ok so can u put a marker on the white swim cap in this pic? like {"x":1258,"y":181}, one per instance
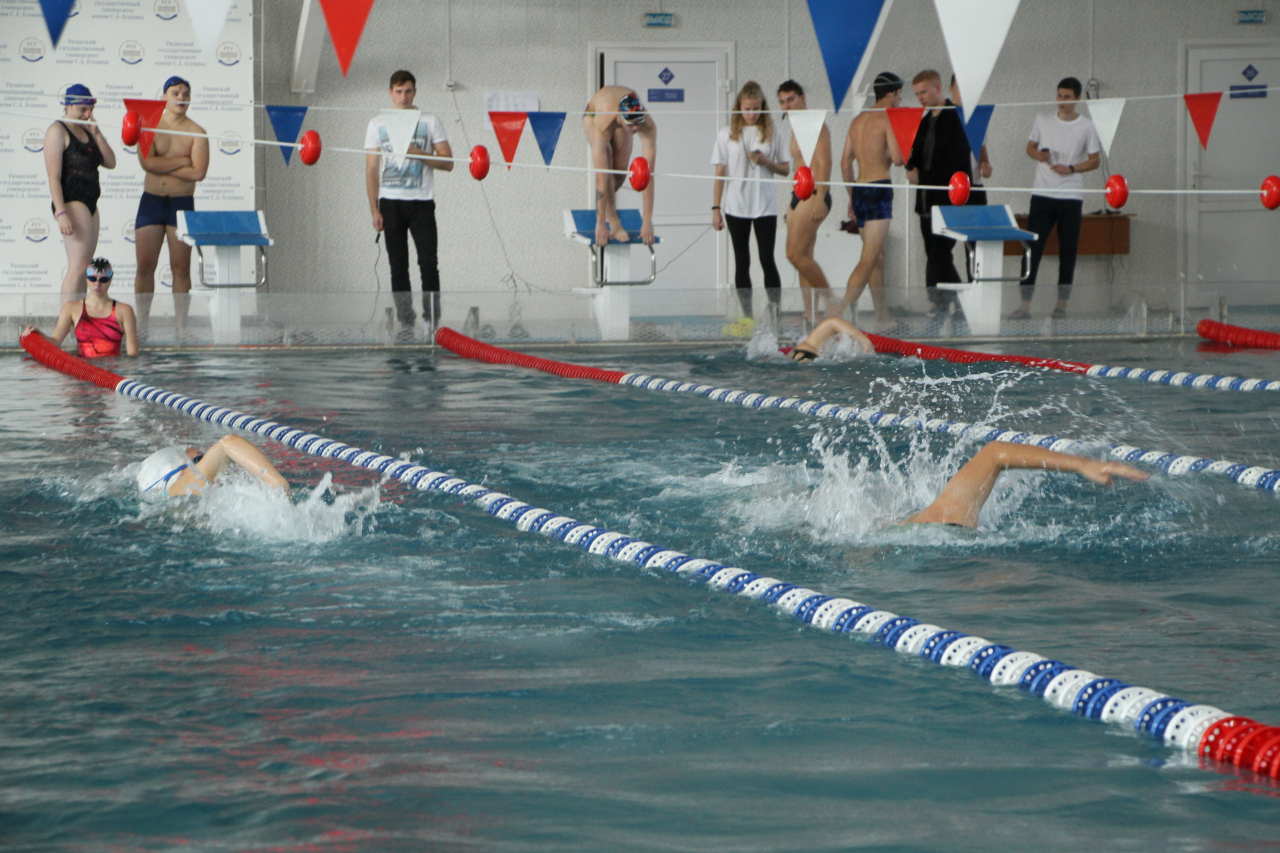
{"x":158,"y":469}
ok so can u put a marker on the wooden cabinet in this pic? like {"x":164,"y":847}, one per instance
{"x":1100,"y":234}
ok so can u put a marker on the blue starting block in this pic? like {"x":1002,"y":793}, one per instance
{"x":226,"y":231}
{"x":989,"y":226}
{"x":610,"y":270}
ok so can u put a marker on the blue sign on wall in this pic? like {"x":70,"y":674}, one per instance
{"x":666,"y":96}
{"x":659,"y":19}
{"x":1258,"y":90}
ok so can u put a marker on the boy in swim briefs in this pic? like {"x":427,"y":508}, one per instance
{"x":174,"y":472}
{"x":613,"y":116}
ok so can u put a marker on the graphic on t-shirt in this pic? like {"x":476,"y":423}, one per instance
{"x":408,"y":174}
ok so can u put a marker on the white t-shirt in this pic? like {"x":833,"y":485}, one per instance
{"x":748,"y":199}
{"x":1070,"y":143}
{"x":410,"y":179}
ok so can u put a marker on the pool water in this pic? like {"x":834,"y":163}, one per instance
{"x":365,"y":667}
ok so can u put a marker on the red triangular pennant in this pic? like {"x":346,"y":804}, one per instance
{"x":508,"y":127}
{"x":905,"y":122}
{"x":1203,"y":108}
{"x":149,"y":112}
{"x":346,"y":20}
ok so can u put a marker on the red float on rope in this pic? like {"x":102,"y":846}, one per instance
{"x":310,"y":151}
{"x":1237,"y":336}
{"x":804,"y":183}
{"x":958,"y":189}
{"x":1271,"y":192}
{"x":640,"y":174}
{"x":479,"y":165}
{"x":1117,"y":191}
{"x":131,"y":129}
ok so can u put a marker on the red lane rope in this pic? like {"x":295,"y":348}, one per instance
{"x":44,"y":351}
{"x":1237,"y":336}
{"x":471,"y":348}
{"x":959,"y":356}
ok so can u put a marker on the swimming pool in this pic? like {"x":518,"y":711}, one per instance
{"x":389,"y":670}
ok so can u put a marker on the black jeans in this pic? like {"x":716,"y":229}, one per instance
{"x":400,"y":218}
{"x":766,"y":228}
{"x":1067,"y":213}
{"x":940,"y":265}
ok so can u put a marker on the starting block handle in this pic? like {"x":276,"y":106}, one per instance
{"x":1026,"y":264}
{"x":597,"y":269}
{"x":262,"y":279}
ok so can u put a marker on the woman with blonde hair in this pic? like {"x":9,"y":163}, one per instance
{"x":747,"y":154}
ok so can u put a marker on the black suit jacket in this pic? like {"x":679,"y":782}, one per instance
{"x":951,"y":154}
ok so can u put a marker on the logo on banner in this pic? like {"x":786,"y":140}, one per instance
{"x":666,"y":76}
{"x":166,"y":10}
{"x":36,"y":230}
{"x":132,"y":52}
{"x":1250,"y":72}
{"x":229,"y":143}
{"x":33,"y":140}
{"x":228,"y":53}
{"x":126,"y":230}
{"x":32,"y":50}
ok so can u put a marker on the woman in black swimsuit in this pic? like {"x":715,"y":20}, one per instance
{"x":74,"y":148}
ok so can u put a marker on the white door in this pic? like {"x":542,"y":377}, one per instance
{"x":1232,"y":249}
{"x":685,"y":88}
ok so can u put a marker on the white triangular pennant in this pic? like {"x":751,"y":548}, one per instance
{"x":207,"y":19}
{"x":1106,"y":118}
{"x":806,"y":126}
{"x":974,"y":31}
{"x":401,"y":126}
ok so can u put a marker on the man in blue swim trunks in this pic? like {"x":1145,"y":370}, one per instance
{"x":871,"y":143}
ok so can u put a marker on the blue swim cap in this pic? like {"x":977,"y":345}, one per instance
{"x":175,"y":80}
{"x":78,"y":94}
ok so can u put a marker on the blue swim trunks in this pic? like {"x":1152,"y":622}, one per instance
{"x":162,"y":209}
{"x":872,"y":203}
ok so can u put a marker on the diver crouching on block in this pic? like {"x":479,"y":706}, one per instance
{"x":174,"y":472}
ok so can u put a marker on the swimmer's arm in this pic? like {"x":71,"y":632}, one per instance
{"x":895,"y":153}
{"x":233,"y":448}
{"x":199,"y":166}
{"x":157,"y":165}
{"x":129,"y":323}
{"x":821,"y":165}
{"x":648,"y":150}
{"x":831,"y":327}
{"x":66,"y":319}
{"x":850,"y":154}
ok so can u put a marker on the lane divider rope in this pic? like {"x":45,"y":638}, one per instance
{"x":1172,"y":463}
{"x":1238,"y":336}
{"x":1208,"y":731}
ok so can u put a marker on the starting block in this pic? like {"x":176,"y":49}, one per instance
{"x":989,"y":226}
{"x":610,"y":270}
{"x":226,"y":231}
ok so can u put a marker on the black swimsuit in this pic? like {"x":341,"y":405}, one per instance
{"x":80,"y":162}
{"x":795,"y":200}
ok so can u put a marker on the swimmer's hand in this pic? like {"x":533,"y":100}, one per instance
{"x":28,"y":330}
{"x":1103,"y":472}
{"x":646,"y":233}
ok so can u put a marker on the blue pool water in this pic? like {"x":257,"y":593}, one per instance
{"x":366,"y":667}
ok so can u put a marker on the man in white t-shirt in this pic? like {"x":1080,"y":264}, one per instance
{"x":402,"y":201}
{"x":1065,"y":145}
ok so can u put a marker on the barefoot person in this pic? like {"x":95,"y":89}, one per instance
{"x":613,"y":116}
{"x":872,"y":143}
{"x":72,"y":154}
{"x":804,"y":217}
{"x":100,"y":323}
{"x":174,"y":472}
{"x":174,"y":166}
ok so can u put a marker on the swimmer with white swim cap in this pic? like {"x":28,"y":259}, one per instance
{"x":173,"y":472}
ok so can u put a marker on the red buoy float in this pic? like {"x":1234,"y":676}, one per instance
{"x":479,"y":164}
{"x":1117,"y":191}
{"x":309,"y":153}
{"x":131,"y":129}
{"x":804,"y":183}
{"x":1271,"y":192}
{"x":958,"y":189}
{"x":640,"y":174}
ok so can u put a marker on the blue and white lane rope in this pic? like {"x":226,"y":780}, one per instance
{"x":1171,"y":463}
{"x":1184,"y":380}
{"x":1172,"y":721}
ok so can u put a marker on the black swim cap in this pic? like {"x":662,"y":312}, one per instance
{"x":886,"y":82}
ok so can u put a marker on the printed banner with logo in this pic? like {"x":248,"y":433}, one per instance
{"x":119,"y":49}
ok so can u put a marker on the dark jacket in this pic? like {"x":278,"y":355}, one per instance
{"x":950,"y":155}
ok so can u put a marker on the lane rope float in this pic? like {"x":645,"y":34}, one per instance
{"x":1237,"y":336}
{"x":1171,"y":463}
{"x":1208,"y":731}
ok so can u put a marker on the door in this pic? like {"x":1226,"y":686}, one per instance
{"x":686,"y":89}
{"x":1231,"y":247}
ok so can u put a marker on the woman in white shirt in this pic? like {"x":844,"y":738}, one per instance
{"x":749,"y":147}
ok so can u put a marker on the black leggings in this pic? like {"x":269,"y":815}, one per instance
{"x":1067,"y":213}
{"x":400,"y":218}
{"x":766,"y":233}
{"x":939,"y":264}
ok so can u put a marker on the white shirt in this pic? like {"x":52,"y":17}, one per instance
{"x":1070,"y":143}
{"x":411,"y":179}
{"x":748,"y":199}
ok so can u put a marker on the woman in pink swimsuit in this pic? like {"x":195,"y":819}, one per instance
{"x":100,"y":322}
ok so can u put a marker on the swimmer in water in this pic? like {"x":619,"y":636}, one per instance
{"x":807,"y":350}
{"x":173,"y":472}
{"x":101,"y":324}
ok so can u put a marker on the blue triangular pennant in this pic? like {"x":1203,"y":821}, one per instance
{"x":845,"y":30}
{"x":286,"y":122}
{"x":975,"y":127}
{"x":546,"y":129}
{"x":56,"y":13}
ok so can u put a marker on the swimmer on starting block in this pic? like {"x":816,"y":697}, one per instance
{"x":174,"y":472}
{"x":613,"y":116}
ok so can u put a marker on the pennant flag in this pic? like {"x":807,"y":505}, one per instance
{"x":975,"y":126}
{"x":806,"y":127}
{"x":1203,"y":109}
{"x":546,"y":129}
{"x":401,"y":126}
{"x":508,"y":127}
{"x":56,"y":13}
{"x":1105,"y":113}
{"x":286,"y":122}
{"x":847,"y":33}
{"x":207,"y":19}
{"x":905,"y":121}
{"x":149,"y":112}
{"x":345,"y":20}
{"x":974,"y":31}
